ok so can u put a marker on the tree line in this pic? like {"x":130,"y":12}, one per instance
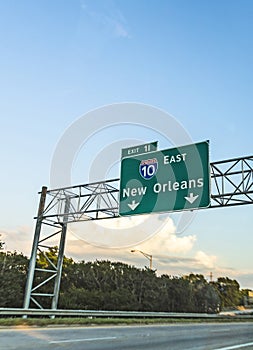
{"x":106,"y":285}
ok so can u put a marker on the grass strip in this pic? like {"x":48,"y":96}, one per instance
{"x":86,"y":321}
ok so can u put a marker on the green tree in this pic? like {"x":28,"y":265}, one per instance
{"x":47,"y":260}
{"x":204,"y":295}
{"x":105,"y":280}
{"x":177,"y":294}
{"x":117,"y":286}
{"x":13,"y":272}
{"x":229,"y":292}
{"x":110,"y":285}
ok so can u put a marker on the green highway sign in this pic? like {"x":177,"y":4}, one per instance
{"x":133,"y":151}
{"x":168,"y":180}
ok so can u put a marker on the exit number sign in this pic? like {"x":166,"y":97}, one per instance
{"x":133,"y":151}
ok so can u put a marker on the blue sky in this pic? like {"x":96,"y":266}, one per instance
{"x":61,"y":59}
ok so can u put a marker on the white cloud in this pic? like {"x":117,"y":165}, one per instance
{"x":108,"y":17}
{"x":19,"y":239}
{"x":205,"y":260}
{"x":122,"y":232}
{"x":120,"y":30}
{"x":161,"y":245}
{"x":167,"y":242}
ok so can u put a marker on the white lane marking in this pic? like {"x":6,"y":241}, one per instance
{"x":77,"y":340}
{"x":235,"y":346}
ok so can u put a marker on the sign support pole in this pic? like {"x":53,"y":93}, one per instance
{"x":32,"y":263}
{"x":57,"y":281}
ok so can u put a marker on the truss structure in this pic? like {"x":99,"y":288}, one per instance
{"x":231,"y":185}
{"x":57,"y":208}
{"x":232,"y":182}
{"x":92,"y":201}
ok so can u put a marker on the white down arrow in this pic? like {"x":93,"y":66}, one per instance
{"x":133,"y":205}
{"x":191,"y":198}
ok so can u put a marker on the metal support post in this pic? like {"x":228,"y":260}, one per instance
{"x":32,"y":262}
{"x":60,"y":255}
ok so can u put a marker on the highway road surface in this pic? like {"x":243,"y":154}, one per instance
{"x":224,"y":336}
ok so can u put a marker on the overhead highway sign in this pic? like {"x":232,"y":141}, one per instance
{"x":168,"y":180}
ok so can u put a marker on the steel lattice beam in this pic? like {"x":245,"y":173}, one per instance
{"x":232,"y":182}
{"x":92,"y":201}
{"x":231,"y":185}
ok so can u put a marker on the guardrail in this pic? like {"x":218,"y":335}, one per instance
{"x":120,"y":314}
{"x":100,"y":313}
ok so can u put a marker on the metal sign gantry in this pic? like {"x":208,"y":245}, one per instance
{"x":231,"y":185}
